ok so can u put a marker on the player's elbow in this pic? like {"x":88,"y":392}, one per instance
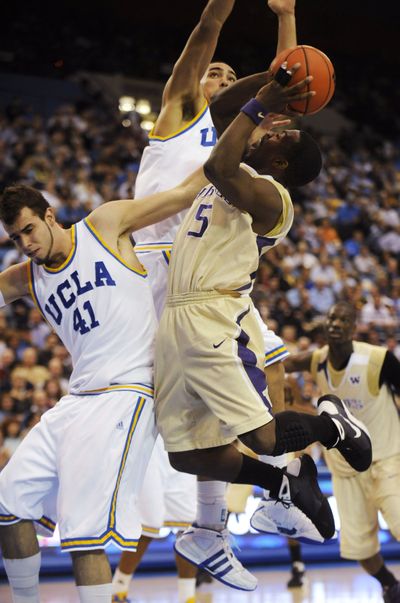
{"x":216,"y":169}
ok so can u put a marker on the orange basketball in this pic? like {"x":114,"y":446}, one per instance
{"x":313,"y":62}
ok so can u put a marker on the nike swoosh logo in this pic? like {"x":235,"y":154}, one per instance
{"x":216,"y":345}
{"x":261,"y":115}
{"x":354,"y":426}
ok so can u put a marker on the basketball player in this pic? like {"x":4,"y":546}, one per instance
{"x":91,"y":450}
{"x":209,"y":351}
{"x":182,"y":139}
{"x":364,"y":376}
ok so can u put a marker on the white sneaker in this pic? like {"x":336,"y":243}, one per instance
{"x":211,"y":551}
{"x":301,"y":510}
{"x":271,"y":514}
{"x":283,"y":518}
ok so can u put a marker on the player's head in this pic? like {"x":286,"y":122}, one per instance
{"x":340,"y":323}
{"x":218,"y":76}
{"x":292,"y":156}
{"x":29,"y":221}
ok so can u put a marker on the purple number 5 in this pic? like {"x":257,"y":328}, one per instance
{"x":201,"y":218}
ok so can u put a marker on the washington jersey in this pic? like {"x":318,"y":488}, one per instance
{"x":166,"y":162}
{"x":216,"y":247}
{"x":358,"y":386}
{"x":102,"y":309}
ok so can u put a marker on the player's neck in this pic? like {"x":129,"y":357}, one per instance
{"x":339,"y":354}
{"x":61,"y":247}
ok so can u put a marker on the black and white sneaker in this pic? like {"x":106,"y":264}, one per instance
{"x":302,"y":491}
{"x":353,"y":442}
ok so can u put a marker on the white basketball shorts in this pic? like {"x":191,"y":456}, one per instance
{"x":168,"y":497}
{"x":91,"y":451}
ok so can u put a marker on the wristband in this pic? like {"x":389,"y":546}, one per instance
{"x":255,"y":110}
{"x":2,"y":300}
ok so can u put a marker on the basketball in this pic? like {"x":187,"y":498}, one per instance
{"x":313,"y":62}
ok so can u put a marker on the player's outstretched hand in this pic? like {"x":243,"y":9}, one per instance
{"x":281,"y":7}
{"x":276,"y":97}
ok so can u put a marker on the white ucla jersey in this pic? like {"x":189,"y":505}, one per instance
{"x":166,"y":162}
{"x":358,"y":386}
{"x":101,"y":309}
{"x":216,"y":247}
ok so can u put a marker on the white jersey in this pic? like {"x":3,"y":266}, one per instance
{"x":166,"y":162}
{"x":101,"y":309}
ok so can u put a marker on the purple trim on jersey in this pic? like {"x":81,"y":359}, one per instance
{"x":248,"y":285}
{"x":264,"y":242}
{"x":249,"y":361}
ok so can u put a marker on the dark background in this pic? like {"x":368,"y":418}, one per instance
{"x":143,"y":39}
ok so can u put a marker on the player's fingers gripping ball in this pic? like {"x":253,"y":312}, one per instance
{"x":312,"y":62}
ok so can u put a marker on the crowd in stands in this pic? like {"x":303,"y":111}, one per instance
{"x":344,"y":245}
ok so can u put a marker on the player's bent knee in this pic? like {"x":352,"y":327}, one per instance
{"x":260,"y":440}
{"x":183,"y":461}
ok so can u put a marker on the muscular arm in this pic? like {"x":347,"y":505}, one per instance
{"x":183,"y":89}
{"x":14,"y":282}
{"x":390,"y":372}
{"x":258,"y":196}
{"x":298,"y":362}
{"x":227,"y":103}
{"x":118,"y":217}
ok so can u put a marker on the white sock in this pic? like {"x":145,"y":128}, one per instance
{"x":186,"y":589}
{"x":211,"y":505}
{"x":23,"y":576}
{"x":275,"y":461}
{"x":96,"y":593}
{"x":120,"y":582}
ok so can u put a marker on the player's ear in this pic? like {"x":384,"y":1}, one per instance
{"x":50,"y":216}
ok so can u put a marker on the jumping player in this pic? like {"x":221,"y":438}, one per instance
{"x":209,"y":354}
{"x":182,"y":140}
{"x":365,"y":377}
{"x":89,"y":452}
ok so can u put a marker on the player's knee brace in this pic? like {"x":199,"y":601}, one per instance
{"x":293,"y":432}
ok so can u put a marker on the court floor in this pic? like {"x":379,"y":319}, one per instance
{"x":325,"y":584}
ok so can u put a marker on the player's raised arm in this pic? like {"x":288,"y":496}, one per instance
{"x":257,"y":196}
{"x":14,"y":283}
{"x":285,"y":11}
{"x":183,"y":92}
{"x":124,"y":216}
{"x":226,"y":104}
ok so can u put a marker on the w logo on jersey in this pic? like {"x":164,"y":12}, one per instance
{"x":354,"y":380}
{"x":208,"y":137}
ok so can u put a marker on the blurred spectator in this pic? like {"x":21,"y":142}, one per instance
{"x":29,"y":369}
{"x":11,"y":429}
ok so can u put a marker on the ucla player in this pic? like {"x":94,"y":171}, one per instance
{"x":365,"y":377}
{"x":89,"y":453}
{"x":210,"y":384}
{"x":182,"y":140}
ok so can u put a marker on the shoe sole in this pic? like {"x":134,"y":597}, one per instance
{"x":213,"y":575}
{"x":331,"y":403}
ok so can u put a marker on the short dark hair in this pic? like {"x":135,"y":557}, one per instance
{"x":18,"y":196}
{"x":305,"y":161}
